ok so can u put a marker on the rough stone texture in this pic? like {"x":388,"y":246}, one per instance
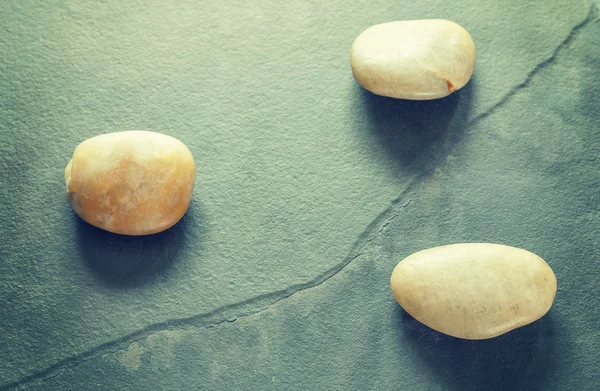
{"x":310,"y":192}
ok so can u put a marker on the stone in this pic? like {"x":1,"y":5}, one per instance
{"x":413,"y":59}
{"x":474,"y":290}
{"x":132,"y":182}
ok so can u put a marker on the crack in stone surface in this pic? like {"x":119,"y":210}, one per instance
{"x":592,"y":15}
{"x":225,"y":314}
{"x":390,"y":220}
{"x":208,"y":319}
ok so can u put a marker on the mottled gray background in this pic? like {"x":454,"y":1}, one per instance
{"x":309,"y":191}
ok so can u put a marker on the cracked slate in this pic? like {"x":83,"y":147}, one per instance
{"x":18,"y":336}
{"x":350,"y":334}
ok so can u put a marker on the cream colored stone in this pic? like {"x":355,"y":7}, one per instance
{"x":132,"y":182}
{"x":413,"y":59}
{"x":474,"y":290}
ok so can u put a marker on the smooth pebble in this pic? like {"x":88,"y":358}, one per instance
{"x":413,"y":59}
{"x":132,"y":182}
{"x":474,"y":290}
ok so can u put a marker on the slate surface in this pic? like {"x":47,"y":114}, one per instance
{"x":309,"y":191}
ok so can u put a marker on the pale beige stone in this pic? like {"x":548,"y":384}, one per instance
{"x":132,"y":182}
{"x":474,"y":290}
{"x":413,"y":59}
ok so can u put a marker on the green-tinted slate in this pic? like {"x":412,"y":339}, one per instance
{"x":309,"y":191}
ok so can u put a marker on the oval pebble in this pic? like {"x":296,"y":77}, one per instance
{"x":132,"y":182}
{"x":413,"y":59}
{"x":474,"y":290}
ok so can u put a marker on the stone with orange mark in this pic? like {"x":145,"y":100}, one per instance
{"x":132,"y":182}
{"x":413,"y":59}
